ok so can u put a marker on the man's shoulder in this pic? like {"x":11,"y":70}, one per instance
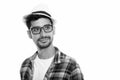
{"x":66,"y":58}
{"x":29,"y":59}
{"x":26,"y":61}
{"x":69,"y":61}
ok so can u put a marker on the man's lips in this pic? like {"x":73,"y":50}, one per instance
{"x":43,"y":40}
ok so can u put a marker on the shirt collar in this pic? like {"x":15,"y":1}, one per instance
{"x":56,"y":59}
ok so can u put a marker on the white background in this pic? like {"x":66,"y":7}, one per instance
{"x":88,"y":30}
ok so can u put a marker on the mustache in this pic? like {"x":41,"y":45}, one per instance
{"x":44,"y":37}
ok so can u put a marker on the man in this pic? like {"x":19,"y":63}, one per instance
{"x":48,"y":62}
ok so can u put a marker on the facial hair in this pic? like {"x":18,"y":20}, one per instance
{"x":46,"y":45}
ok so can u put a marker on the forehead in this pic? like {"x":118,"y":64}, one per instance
{"x":40,"y":22}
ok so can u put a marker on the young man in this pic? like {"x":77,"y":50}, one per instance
{"x":48,"y":62}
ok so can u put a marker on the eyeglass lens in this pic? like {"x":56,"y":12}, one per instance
{"x":46,"y":28}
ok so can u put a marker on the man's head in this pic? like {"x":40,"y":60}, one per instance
{"x":40,"y":28}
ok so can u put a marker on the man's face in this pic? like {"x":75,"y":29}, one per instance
{"x":42,"y":32}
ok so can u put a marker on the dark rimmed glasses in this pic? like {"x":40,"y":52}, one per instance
{"x":37,"y":30}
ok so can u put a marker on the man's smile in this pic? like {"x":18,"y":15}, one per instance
{"x":43,"y":40}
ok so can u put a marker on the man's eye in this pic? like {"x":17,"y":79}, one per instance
{"x":47,"y":27}
{"x":35,"y":29}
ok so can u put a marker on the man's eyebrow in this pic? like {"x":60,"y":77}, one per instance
{"x":41,"y":26}
{"x":47,"y":24}
{"x":35,"y":26}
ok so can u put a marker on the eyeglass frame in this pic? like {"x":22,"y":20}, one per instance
{"x":40,"y":29}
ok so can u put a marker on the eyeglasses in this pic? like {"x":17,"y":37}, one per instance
{"x":37,"y":30}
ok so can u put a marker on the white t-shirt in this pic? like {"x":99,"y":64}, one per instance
{"x":40,"y":67}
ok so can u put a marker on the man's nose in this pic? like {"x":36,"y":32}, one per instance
{"x":42,"y":33}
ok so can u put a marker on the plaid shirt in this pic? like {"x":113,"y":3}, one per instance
{"x":62,"y":67}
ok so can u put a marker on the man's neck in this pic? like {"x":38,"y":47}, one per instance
{"x":46,"y":53}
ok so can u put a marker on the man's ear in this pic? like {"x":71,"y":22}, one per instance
{"x":29,"y":34}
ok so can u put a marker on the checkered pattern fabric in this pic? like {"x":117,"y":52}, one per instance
{"x":62,"y":67}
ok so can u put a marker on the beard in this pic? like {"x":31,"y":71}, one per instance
{"x":42,"y":43}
